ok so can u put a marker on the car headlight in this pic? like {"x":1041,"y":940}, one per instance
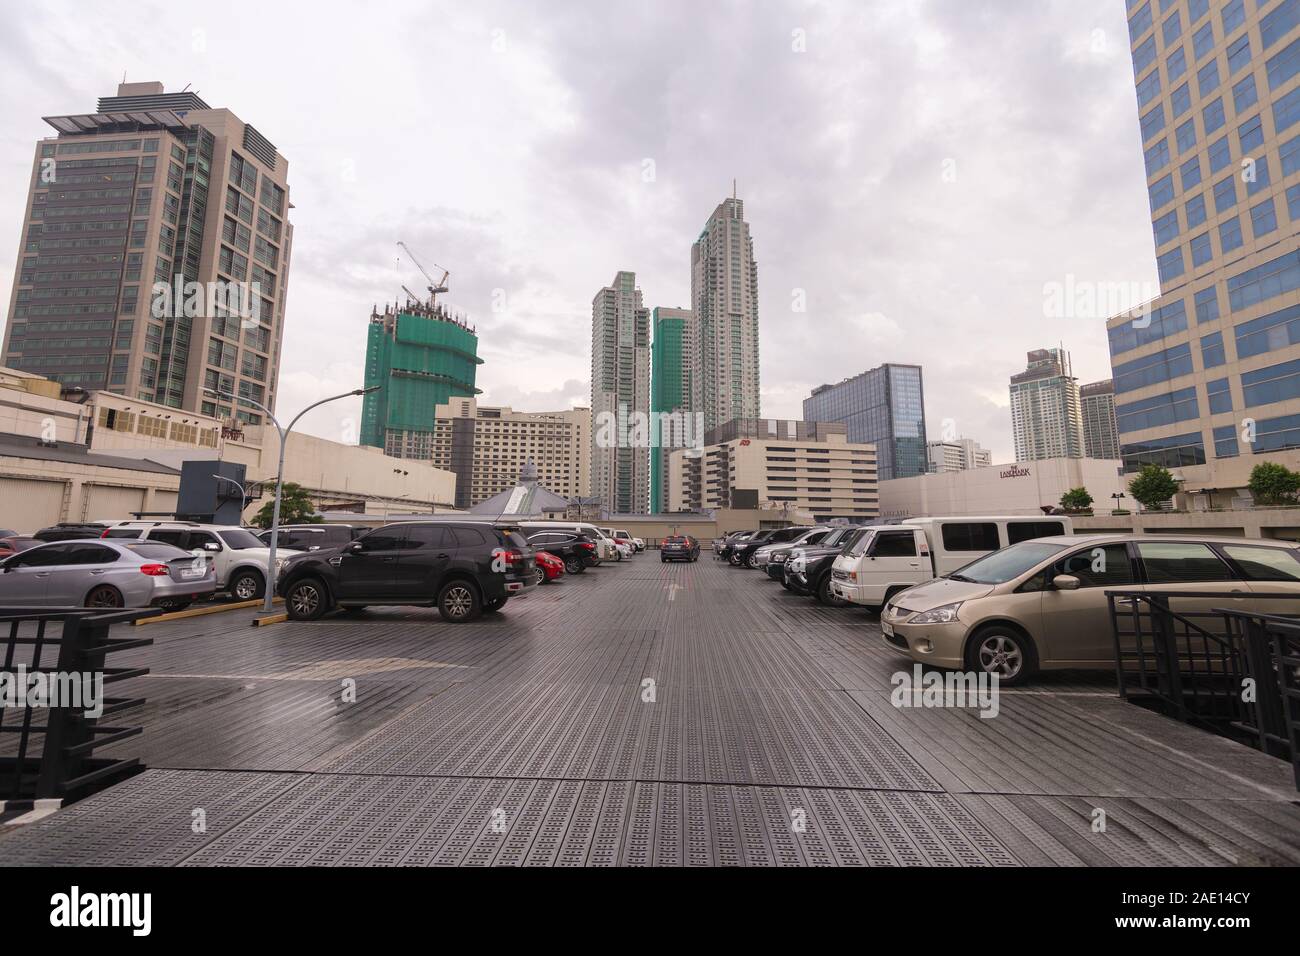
{"x":939,"y":615}
{"x":281,"y":563}
{"x":779,"y":557}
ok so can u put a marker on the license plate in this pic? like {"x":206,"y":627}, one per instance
{"x":886,"y":629}
{"x":191,"y":573}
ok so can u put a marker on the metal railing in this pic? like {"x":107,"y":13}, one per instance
{"x":1202,"y":661}
{"x":47,"y":751}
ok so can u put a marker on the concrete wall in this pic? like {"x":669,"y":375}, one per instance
{"x":35,"y":493}
{"x":1014,"y":489}
{"x":1281,"y":523}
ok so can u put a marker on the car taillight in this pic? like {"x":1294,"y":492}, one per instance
{"x":104,"y":533}
{"x":586,"y":546}
{"x":155,"y":570}
{"x":513,"y":557}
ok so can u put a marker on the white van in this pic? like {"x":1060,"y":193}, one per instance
{"x":605,"y":548}
{"x":881,"y":560}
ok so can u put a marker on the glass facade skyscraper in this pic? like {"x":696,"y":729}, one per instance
{"x":1208,"y":381}
{"x":671,"y":374}
{"x":885,"y":406}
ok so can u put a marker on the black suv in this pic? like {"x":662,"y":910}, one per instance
{"x":311,"y":537}
{"x":463,"y":568}
{"x":742,"y":555}
{"x":577,"y":551}
{"x":814,"y":577}
{"x":679,"y":547}
{"x":70,"y":531}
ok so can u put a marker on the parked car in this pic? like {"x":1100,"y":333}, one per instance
{"x":769,"y":557}
{"x":71,"y":531}
{"x":239,"y":558}
{"x":106,"y":574}
{"x":885,"y":559}
{"x":679,"y":547}
{"x":462,"y":568}
{"x":638,"y":544}
{"x":743,"y":555}
{"x":722,"y":546}
{"x":605,"y":549}
{"x":577,"y":551}
{"x":808,"y":571}
{"x":549,"y":567}
{"x":12,"y":544}
{"x":622,"y":537}
{"x":1041,"y":604}
{"x":732,"y":543}
{"x":310,"y":537}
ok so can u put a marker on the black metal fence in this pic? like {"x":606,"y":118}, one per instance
{"x":47,"y":751}
{"x":1205,"y":661}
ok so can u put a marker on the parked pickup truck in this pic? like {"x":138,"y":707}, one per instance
{"x":882,"y":560}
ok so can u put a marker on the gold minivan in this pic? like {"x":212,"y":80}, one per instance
{"x":1041,"y":604}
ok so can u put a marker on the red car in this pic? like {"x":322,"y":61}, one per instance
{"x":13,"y":544}
{"x":549,"y":567}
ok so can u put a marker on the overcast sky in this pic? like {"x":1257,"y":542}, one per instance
{"x":920,"y":170}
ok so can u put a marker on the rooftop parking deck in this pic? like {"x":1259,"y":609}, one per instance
{"x":531,"y":736}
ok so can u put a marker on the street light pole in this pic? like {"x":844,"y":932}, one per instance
{"x":243,"y":495}
{"x":279,"y":475}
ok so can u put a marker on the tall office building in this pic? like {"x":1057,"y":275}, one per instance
{"x":487,"y":448}
{"x":1209,"y":381}
{"x":724,"y":295}
{"x":960,"y":454}
{"x":1100,"y":433}
{"x":771,"y":463}
{"x":420,"y":357}
{"x":884,"y":406}
{"x":672,"y":370}
{"x":620,"y":396}
{"x":1045,"y":416}
{"x":154,"y":191}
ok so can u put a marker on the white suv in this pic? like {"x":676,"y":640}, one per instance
{"x":238,"y":557}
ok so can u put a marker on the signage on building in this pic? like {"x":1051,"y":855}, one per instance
{"x":1014,"y":472}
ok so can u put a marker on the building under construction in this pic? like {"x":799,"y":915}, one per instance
{"x":420,"y":356}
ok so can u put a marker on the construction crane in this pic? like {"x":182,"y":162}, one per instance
{"x":410,"y":295}
{"x":434,"y":287}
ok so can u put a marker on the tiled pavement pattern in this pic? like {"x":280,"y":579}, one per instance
{"x":526,"y":739}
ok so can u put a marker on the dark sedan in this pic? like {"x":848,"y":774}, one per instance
{"x":679,"y":547}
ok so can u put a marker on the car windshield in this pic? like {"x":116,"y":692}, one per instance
{"x":1002,"y":566}
{"x":836,"y":538}
{"x":857,"y":545}
{"x":238,"y":539}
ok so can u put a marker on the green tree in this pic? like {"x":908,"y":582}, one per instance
{"x":1273,"y":484}
{"x":1152,"y":486}
{"x":1076,"y":499}
{"x":295,"y":507}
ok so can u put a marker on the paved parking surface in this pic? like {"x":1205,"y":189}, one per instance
{"x":643,"y":713}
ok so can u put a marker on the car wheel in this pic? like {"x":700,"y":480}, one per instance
{"x":306,"y":600}
{"x":248,"y":585}
{"x":495,"y":604}
{"x":825,"y":595}
{"x":734,"y":560}
{"x":539,"y":575}
{"x":573,"y":565}
{"x":105,"y":596}
{"x":662,"y":559}
{"x":752,"y":562}
{"x":1002,"y":651}
{"x":458,"y":602}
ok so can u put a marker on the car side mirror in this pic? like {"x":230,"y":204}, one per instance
{"x":353,"y":547}
{"x":1065,"y":582}
{"x":212,"y":546}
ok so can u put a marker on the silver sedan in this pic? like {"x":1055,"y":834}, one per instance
{"x":105,"y":573}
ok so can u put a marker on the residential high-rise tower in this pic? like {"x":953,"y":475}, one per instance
{"x":620,"y":397}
